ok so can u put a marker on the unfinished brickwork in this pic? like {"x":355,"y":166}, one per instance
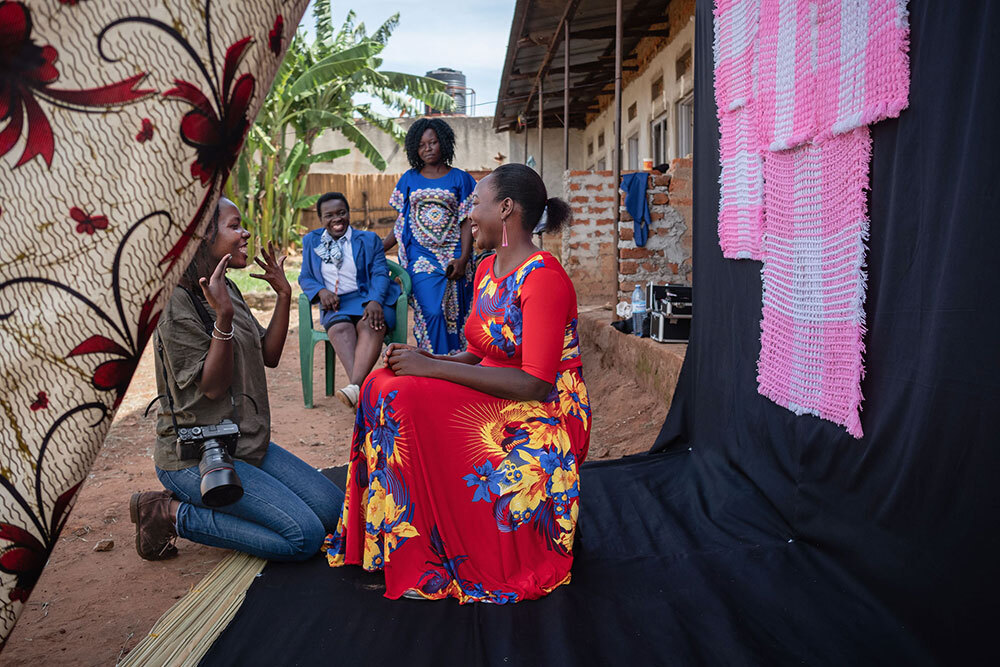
{"x":587,"y":244}
{"x":666,"y":257}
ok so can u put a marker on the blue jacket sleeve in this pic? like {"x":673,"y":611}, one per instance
{"x":309,"y":281}
{"x":379,"y":272}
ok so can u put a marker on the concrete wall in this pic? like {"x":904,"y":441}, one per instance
{"x":553,"y":155}
{"x":476,"y":147}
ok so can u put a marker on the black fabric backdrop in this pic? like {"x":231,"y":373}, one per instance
{"x":751,"y":536}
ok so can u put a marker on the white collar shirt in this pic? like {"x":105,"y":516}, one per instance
{"x":344,"y":279}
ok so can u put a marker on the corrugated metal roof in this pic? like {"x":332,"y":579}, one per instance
{"x":536,"y":41}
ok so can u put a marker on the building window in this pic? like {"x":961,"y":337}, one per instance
{"x":600,"y":140}
{"x":632,"y":111}
{"x":683,"y":63}
{"x":658,"y":132}
{"x":590,"y":148}
{"x":657,"y":90}
{"x":633,"y":152}
{"x":685,"y":126}
{"x":602,"y":164}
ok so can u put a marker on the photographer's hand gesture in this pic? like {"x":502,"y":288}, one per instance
{"x":217,"y":293}
{"x":274,"y":271}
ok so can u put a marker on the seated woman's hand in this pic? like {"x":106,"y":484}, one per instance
{"x":328,"y":300}
{"x":408,"y":360}
{"x":374,"y":315}
{"x":403,"y":346}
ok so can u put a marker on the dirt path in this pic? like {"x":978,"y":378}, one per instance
{"x":91,"y":608}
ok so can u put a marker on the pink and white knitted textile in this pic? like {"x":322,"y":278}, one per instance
{"x":820,"y":72}
{"x":826,"y":67}
{"x":813,"y":325}
{"x":741,"y":197}
{"x":741,"y":192}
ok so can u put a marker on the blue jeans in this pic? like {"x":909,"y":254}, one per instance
{"x":287,"y":508}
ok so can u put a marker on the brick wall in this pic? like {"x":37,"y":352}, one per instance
{"x":587,"y":244}
{"x":666,"y":257}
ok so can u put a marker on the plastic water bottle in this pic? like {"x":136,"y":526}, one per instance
{"x":638,"y":309}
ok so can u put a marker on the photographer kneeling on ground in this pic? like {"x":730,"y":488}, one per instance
{"x":210,"y":360}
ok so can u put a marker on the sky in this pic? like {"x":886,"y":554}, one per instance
{"x":467,"y":35}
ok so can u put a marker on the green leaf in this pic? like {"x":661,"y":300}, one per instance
{"x":243,"y":175}
{"x":294,"y":163}
{"x":366,"y":147}
{"x":385,"y":124}
{"x":385,"y":30}
{"x":306,"y":202}
{"x":328,"y":156}
{"x":341,"y":64}
{"x":320,"y":75}
{"x":324,"y":21}
{"x":427,"y":90}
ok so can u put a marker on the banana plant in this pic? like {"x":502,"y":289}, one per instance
{"x":313,"y":92}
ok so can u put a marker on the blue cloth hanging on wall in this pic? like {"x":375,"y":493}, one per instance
{"x":634,"y":187}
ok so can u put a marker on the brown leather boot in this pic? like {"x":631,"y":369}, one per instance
{"x":154,"y":524}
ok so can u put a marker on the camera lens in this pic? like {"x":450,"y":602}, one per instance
{"x":220,"y":485}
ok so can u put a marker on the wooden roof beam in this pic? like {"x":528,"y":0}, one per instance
{"x":608,"y":32}
{"x":568,"y":11}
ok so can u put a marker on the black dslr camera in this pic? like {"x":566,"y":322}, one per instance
{"x":213,"y":446}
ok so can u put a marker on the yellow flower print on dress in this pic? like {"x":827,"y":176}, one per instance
{"x":573,"y":397}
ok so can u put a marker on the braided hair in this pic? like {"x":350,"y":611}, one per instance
{"x":201,"y":265}
{"x":445,"y":135}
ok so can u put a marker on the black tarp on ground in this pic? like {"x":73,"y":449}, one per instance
{"x":775,"y":539}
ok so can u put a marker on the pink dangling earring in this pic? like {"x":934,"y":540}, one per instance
{"x":504,"y":240}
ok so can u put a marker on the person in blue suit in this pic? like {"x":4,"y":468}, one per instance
{"x":344,"y":270}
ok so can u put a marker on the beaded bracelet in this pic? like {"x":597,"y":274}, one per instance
{"x":223,"y":335}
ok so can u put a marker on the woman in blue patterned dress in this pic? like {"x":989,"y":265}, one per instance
{"x":432,"y":230}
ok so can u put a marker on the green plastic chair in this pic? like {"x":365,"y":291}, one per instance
{"x":309,"y":335}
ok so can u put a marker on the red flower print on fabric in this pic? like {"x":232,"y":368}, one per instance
{"x":146,"y":133}
{"x":25,"y":555}
{"x":116,"y":373}
{"x":217,"y":137}
{"x":27,"y":72}
{"x":88,"y":224}
{"x":274,"y":37}
{"x":41,"y":401}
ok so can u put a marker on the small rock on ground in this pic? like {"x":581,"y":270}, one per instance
{"x":104,"y":545}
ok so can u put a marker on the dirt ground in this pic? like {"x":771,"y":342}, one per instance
{"x":91,"y":608}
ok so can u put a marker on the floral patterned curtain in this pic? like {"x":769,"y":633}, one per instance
{"x":119,"y":123}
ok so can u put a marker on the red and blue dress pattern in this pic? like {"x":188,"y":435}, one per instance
{"x":456,"y":493}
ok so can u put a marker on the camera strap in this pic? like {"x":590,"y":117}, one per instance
{"x":208,"y":323}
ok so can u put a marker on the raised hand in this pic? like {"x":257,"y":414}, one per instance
{"x":274,"y":272}
{"x":216,"y":292}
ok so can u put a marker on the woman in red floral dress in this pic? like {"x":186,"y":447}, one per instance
{"x":463,"y":480}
